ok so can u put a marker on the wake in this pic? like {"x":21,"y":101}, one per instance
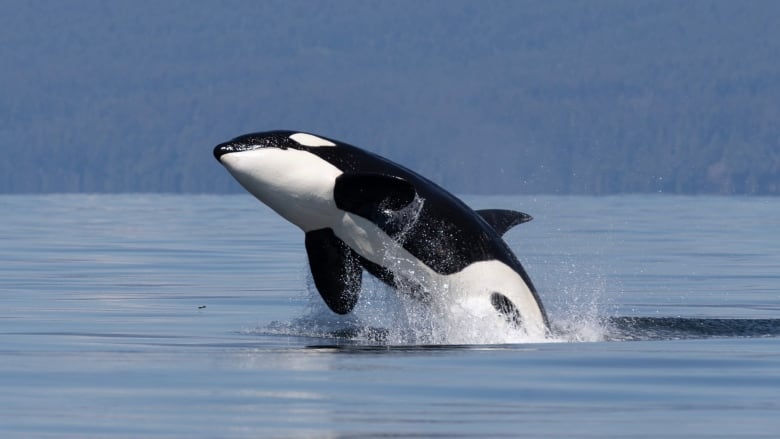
{"x":678,"y":328}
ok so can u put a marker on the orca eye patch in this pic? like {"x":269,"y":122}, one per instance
{"x":306,"y":139}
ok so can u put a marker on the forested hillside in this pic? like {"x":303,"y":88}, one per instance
{"x":577,"y":97}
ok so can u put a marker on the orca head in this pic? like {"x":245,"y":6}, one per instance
{"x":280,"y":169}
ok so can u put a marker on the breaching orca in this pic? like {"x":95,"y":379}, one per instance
{"x":361,"y":211}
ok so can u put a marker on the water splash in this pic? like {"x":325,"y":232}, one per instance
{"x":392,"y":317}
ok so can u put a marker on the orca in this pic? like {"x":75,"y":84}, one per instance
{"x":360,"y":211}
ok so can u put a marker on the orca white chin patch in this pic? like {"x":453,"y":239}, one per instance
{"x":296,"y":184}
{"x":311,"y":140}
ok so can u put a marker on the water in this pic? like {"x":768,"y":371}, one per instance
{"x":193,"y":316}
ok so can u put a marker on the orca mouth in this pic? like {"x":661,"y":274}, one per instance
{"x":250,"y":142}
{"x":228,"y":147}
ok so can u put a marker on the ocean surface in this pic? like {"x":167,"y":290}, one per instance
{"x":194,"y":316}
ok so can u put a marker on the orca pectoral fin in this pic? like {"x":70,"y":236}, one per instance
{"x":335,"y":269}
{"x":370,"y":195}
{"x":502,"y":220}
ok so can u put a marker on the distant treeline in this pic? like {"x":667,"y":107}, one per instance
{"x":494,"y":97}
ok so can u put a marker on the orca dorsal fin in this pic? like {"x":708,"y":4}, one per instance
{"x":335,"y":269}
{"x":502,"y":220}
{"x":369,"y":195}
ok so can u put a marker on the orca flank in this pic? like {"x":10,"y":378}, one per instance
{"x":360,"y":211}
